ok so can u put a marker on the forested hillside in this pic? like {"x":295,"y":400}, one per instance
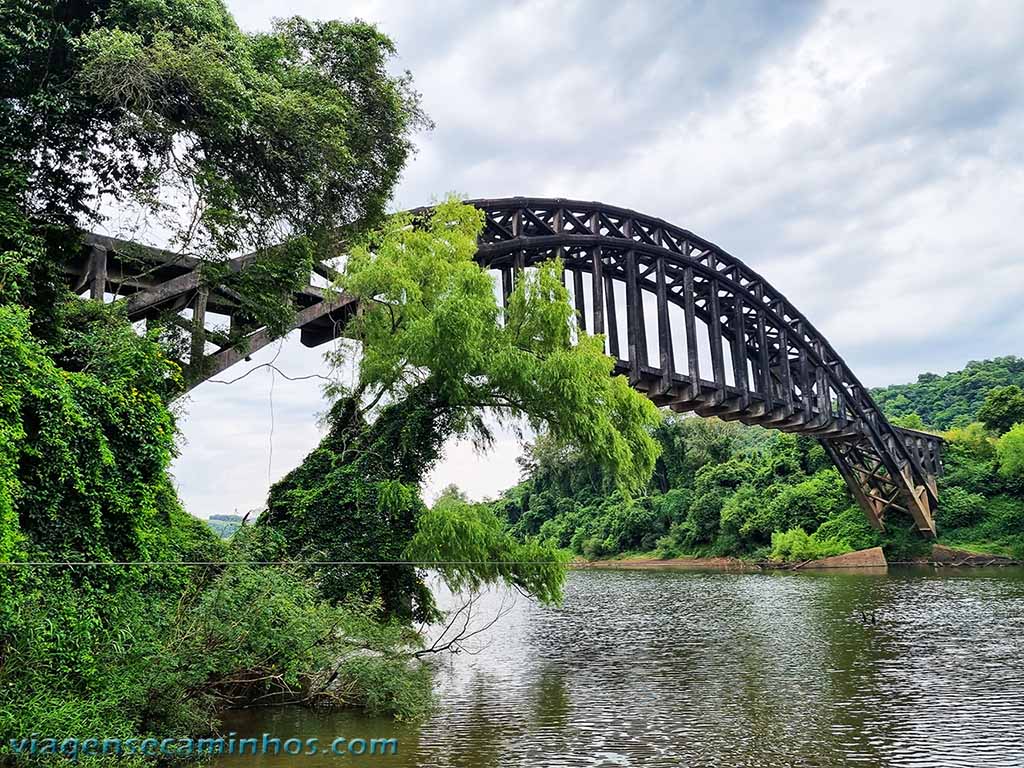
{"x":725,"y":489}
{"x":224,"y":525}
{"x":952,"y":400}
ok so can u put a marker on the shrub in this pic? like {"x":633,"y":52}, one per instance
{"x":796,"y":545}
{"x":593,"y":548}
{"x":674,"y":504}
{"x":959,"y":508}
{"x":739,"y":509}
{"x":849,"y":527}
{"x":1010,"y":450}
{"x":145,"y":654}
{"x":704,"y":516}
{"x":969,"y":470}
{"x":667,"y":548}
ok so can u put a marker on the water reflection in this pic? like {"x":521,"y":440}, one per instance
{"x":909,"y":668}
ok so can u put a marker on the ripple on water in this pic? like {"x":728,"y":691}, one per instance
{"x":691,"y":669}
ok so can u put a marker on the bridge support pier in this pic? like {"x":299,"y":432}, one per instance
{"x":878,"y":487}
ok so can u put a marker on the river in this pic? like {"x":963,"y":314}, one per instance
{"x":654,"y":668}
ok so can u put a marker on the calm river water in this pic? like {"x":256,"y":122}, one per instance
{"x":642,"y":668}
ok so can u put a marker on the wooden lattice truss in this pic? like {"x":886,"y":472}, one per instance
{"x":779,"y":371}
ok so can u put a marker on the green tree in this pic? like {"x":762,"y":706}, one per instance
{"x":437,"y":354}
{"x":908,"y":421}
{"x":1003,"y":407}
{"x":473,"y":548}
{"x":430,"y":318}
{"x":451,"y":492}
{"x":1011,"y":456}
{"x":713,"y":486}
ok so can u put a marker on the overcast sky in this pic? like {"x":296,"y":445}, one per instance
{"x":867,"y":159}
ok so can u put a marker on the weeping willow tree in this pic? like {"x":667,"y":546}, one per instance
{"x":440,"y":358}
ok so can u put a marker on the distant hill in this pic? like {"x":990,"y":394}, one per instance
{"x":951,"y":400}
{"x":224,"y":525}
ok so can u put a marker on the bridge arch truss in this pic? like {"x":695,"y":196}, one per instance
{"x":698,"y":330}
{"x":691,"y":326}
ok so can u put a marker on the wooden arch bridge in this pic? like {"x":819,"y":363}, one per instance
{"x":691,"y":326}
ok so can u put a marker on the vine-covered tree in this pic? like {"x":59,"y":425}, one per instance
{"x":439,"y":355}
{"x":230,"y":141}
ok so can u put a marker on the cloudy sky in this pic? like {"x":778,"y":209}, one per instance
{"x":867,"y":159}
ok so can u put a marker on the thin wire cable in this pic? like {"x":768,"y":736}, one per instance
{"x":280,"y":373}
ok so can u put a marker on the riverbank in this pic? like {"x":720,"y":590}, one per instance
{"x":673,"y":563}
{"x":941,"y":556}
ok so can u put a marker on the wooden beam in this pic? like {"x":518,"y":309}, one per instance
{"x":198,"y":347}
{"x":218,"y":338}
{"x":785,"y":371}
{"x":634,"y":319}
{"x":667,"y":358}
{"x":824,"y":400}
{"x":581,"y":308}
{"x":805,"y":384}
{"x":613,"y":321}
{"x":739,"y":351}
{"x":690,"y":319}
{"x":98,"y":284}
{"x":138,"y":303}
{"x":596,"y":281}
{"x":764,"y":356}
{"x":506,"y":286}
{"x":255,"y":341}
{"x":715,"y":334}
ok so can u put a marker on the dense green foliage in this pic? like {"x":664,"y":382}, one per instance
{"x":981,"y":499}
{"x":430,"y":317}
{"x":278,"y":143}
{"x":229,"y":141}
{"x":473,"y":548}
{"x":296,"y":131}
{"x":724,"y":489}
{"x":982,"y":491}
{"x":718,"y":489}
{"x":86,"y":438}
{"x":952,"y":400}
{"x":1003,"y":407}
{"x":93,"y":651}
{"x":438,"y":353}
